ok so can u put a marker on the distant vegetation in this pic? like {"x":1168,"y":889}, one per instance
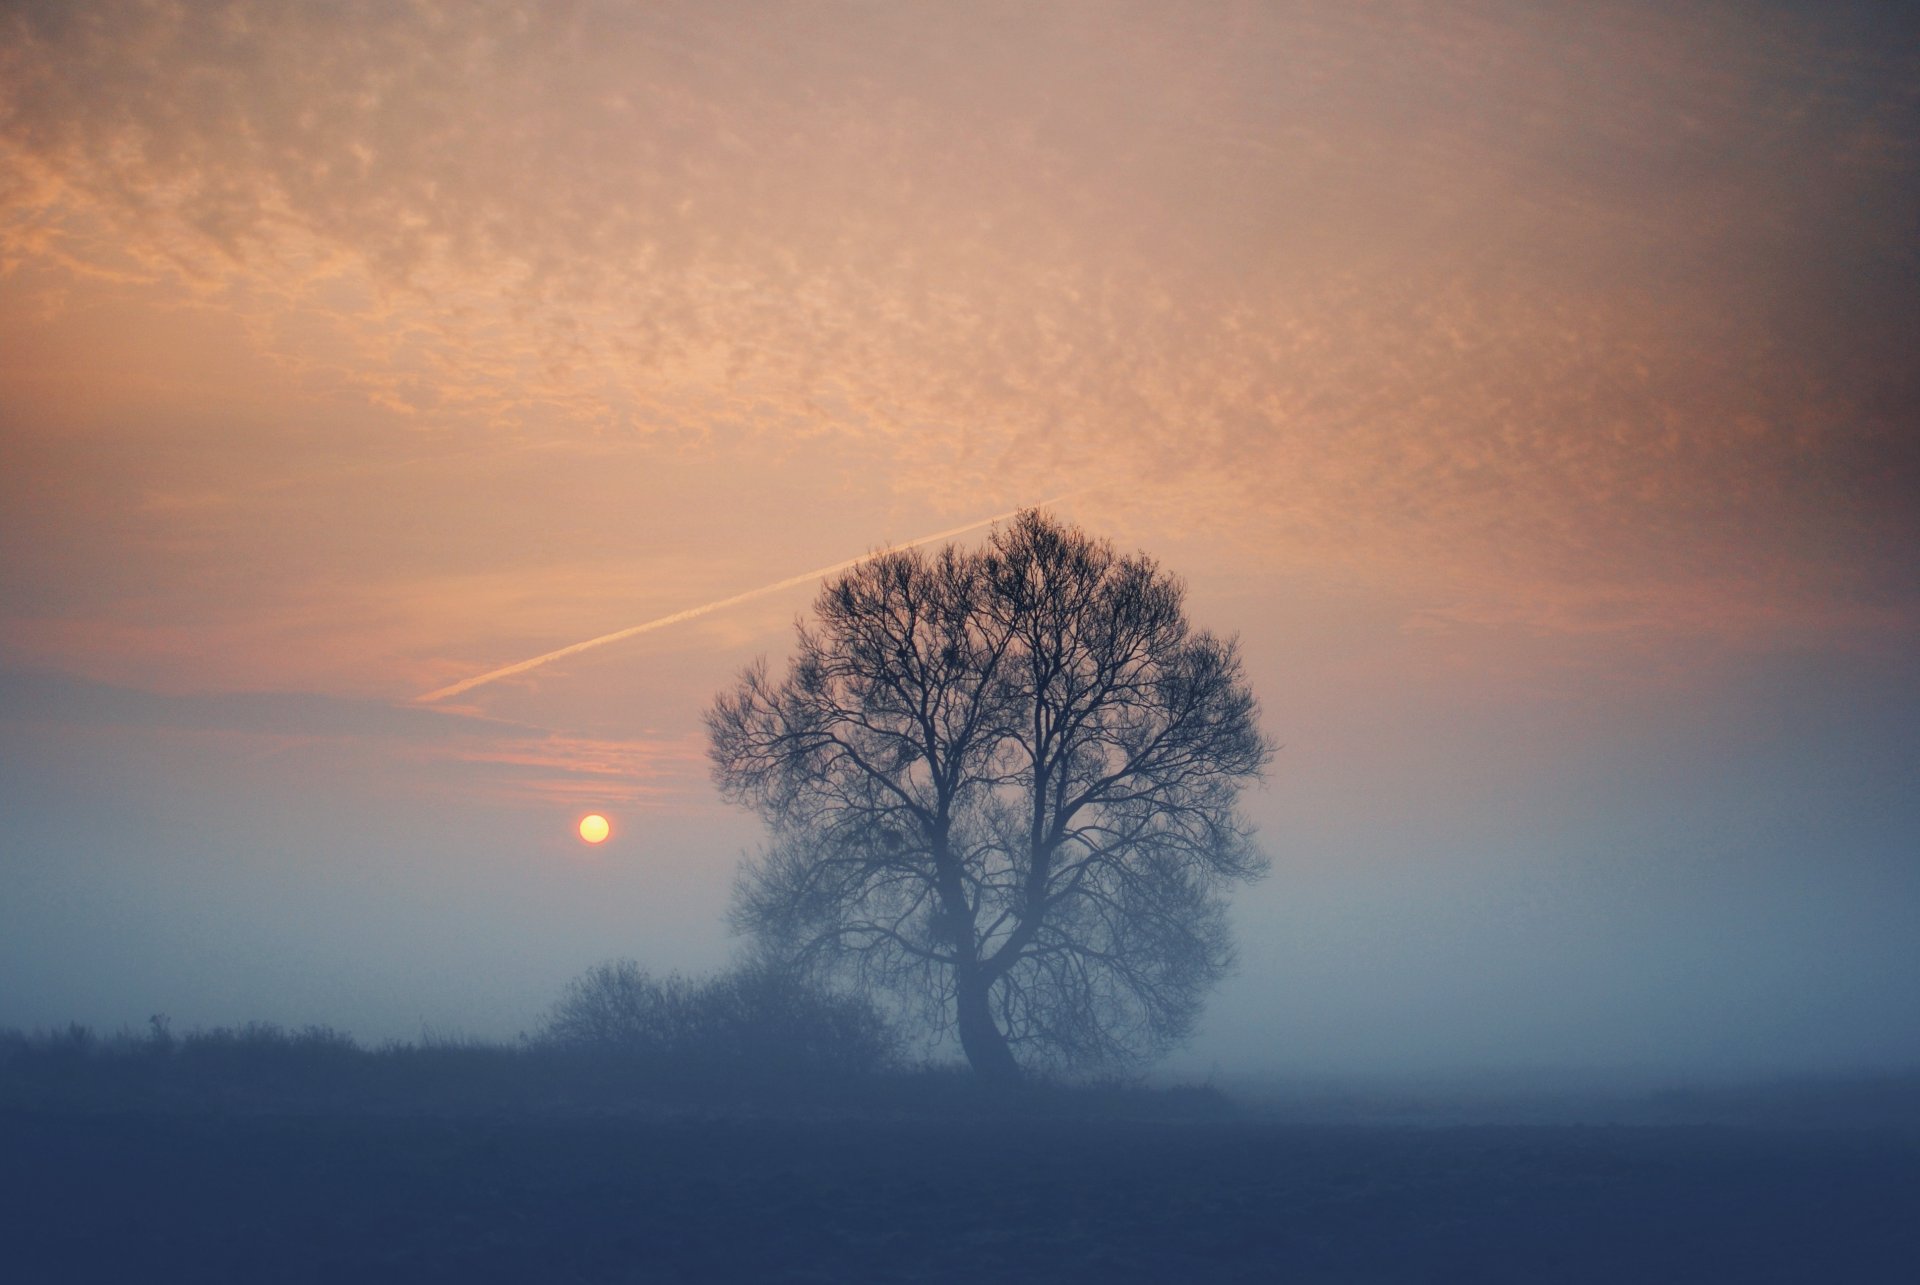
{"x":618,"y":1039}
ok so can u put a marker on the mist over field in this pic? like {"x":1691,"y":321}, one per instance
{"x":1621,"y":908}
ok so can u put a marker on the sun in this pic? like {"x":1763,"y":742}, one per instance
{"x":594,"y":828}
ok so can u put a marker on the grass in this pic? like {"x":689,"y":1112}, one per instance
{"x":258,"y":1152}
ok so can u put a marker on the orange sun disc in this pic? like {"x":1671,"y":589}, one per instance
{"x":594,"y":828}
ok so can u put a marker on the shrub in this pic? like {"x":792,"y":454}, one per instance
{"x":257,"y":1044}
{"x":14,"y":1048}
{"x":760,"y":1015}
{"x":618,"y":1007}
{"x":752,"y":1025}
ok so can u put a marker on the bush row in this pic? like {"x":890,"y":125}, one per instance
{"x":618,"y":1038}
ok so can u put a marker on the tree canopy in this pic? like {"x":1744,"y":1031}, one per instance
{"x":1002,"y":782}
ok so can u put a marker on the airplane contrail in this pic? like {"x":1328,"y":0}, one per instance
{"x":522,"y":666}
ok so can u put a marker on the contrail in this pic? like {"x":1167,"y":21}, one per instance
{"x":521,"y":667}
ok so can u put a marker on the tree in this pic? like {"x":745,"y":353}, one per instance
{"x":1003,"y":782}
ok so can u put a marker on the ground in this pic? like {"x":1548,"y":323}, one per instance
{"x":355,"y":1196}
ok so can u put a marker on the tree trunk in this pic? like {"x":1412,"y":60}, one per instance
{"x":980,"y":1036}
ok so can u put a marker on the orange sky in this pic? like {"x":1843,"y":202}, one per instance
{"x":1503,"y":357}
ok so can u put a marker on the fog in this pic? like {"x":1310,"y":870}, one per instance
{"x":1556,"y":888}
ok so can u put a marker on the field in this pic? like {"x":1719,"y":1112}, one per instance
{"x":702,"y":1195}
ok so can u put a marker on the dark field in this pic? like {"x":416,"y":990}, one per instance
{"x":151,"y":1194}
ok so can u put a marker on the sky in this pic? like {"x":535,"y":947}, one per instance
{"x":1529,"y":388}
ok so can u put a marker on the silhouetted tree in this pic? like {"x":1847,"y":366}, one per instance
{"x":1003,"y":781}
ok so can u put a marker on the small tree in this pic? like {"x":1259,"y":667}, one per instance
{"x":1005,"y":782}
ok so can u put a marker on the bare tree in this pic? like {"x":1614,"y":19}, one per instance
{"x":1004,"y":782}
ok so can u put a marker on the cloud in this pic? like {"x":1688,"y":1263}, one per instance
{"x":573,"y":771}
{"x":1552,"y":317}
{"x":29,"y":696}
{"x":463,"y":753}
